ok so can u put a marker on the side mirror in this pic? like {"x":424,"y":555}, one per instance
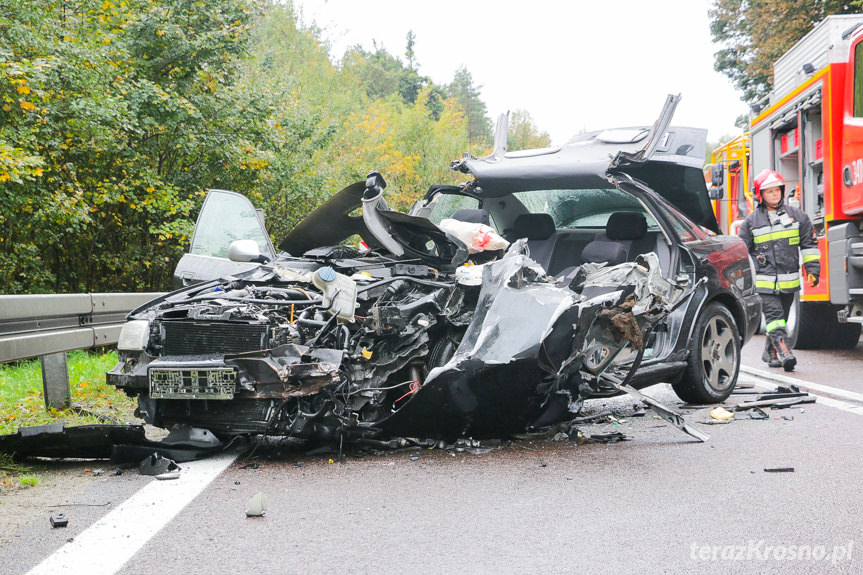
{"x":717,"y":176}
{"x":245,"y":251}
{"x":715,"y":193}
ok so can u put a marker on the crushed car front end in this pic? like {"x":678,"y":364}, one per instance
{"x":423,"y":353}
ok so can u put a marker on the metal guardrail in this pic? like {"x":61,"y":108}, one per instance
{"x":40,"y":325}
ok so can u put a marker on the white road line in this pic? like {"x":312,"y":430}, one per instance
{"x":803,"y":383}
{"x":765,"y":378}
{"x":104,"y":547}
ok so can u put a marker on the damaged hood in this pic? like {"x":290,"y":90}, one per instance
{"x":401,"y":234}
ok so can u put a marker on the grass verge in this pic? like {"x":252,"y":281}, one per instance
{"x":93,"y":401}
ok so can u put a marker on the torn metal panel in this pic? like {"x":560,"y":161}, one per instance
{"x":672,"y":417}
{"x":120,"y":443}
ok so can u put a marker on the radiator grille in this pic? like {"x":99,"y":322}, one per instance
{"x":196,"y":338}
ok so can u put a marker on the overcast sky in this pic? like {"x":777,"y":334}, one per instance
{"x":574,"y":65}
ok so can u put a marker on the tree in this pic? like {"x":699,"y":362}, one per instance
{"x":755,"y":33}
{"x":463,"y":90}
{"x":116,"y":117}
{"x":409,"y":50}
{"x":523,"y":134}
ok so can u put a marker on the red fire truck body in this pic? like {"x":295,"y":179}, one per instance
{"x":811,"y":132}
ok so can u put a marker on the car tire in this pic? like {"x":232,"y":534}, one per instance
{"x":713,"y":359}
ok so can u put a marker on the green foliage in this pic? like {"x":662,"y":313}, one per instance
{"x":116,"y":116}
{"x":463,"y":91}
{"x":22,"y":403}
{"x":118,"y":112}
{"x":523,"y":134}
{"x":30,"y":480}
{"x":755,"y":33}
{"x":11,"y":470}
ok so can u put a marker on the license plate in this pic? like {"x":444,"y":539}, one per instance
{"x":205,"y":383}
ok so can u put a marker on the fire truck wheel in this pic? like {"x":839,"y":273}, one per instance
{"x":713,"y":360}
{"x":808,"y":325}
{"x":844,"y":335}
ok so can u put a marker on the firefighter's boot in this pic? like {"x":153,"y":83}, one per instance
{"x":783,"y":354}
{"x":769,"y":354}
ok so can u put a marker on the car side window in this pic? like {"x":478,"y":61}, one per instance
{"x":445,"y":205}
{"x":688,"y":231}
{"x":224,"y":218}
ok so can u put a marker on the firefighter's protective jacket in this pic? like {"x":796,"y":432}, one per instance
{"x":774,"y":248}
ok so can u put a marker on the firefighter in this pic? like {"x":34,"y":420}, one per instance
{"x":777,"y":235}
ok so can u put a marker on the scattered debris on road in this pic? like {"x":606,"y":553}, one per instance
{"x":119,"y":443}
{"x":157,"y":465}
{"x":257,"y":506}
{"x":58,"y":520}
{"x":607,"y":437}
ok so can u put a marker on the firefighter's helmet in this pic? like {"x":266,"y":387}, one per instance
{"x":768,"y":179}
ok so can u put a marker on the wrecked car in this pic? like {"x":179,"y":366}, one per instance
{"x":493,"y":307}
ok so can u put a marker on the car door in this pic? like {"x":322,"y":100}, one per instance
{"x":225,"y":218}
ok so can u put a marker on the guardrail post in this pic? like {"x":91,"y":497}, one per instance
{"x":55,"y":380}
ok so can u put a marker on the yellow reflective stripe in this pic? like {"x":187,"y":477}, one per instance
{"x":776,"y":236}
{"x":781,"y":281}
{"x":793,"y":241}
{"x":810,"y":255}
{"x":775,"y":325}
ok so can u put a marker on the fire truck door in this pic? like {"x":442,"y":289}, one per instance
{"x":852,"y":139}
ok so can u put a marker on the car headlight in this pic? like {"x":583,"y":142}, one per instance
{"x":134,"y":335}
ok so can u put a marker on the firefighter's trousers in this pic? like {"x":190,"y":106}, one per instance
{"x":775,"y":308}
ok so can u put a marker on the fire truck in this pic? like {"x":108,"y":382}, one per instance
{"x":811,"y":132}
{"x":728,"y":177}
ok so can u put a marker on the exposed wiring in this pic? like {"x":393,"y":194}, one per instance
{"x":414,"y":387}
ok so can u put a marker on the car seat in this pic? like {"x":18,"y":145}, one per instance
{"x":615,"y":244}
{"x":539,"y":230}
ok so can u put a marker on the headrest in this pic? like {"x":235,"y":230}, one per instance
{"x":626,"y":226}
{"x":601,"y":251}
{"x":534,"y":226}
{"x":474,"y":216}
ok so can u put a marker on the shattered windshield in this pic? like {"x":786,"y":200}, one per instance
{"x":582,"y":208}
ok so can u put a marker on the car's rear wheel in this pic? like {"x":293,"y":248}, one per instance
{"x":713,"y":360}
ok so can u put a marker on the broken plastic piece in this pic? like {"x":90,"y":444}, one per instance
{"x":779,"y":469}
{"x":758,"y":413}
{"x":169,"y":475}
{"x":607,"y":437}
{"x":188,"y":436}
{"x":721,"y":413}
{"x":59,"y":520}
{"x":155,"y":464}
{"x":781,"y":402}
{"x":257,"y":506}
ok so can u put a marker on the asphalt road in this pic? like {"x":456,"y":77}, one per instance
{"x":658,"y":503}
